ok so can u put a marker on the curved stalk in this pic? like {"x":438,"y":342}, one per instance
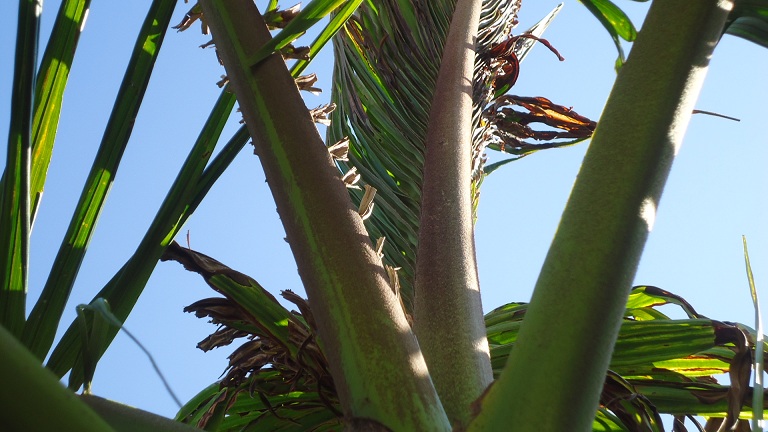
{"x":448,"y":314}
{"x":124,"y":418}
{"x":555,"y":373}
{"x":377,"y":367}
{"x":32,"y":397}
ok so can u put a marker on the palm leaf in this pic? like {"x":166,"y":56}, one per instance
{"x":40,"y":333}
{"x":615,"y":21}
{"x":191,"y":185}
{"x":275,"y":382}
{"x":386,"y":64}
{"x":125,"y":287}
{"x":749,"y":20}
{"x":15,"y":220}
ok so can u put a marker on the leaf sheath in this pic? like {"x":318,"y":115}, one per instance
{"x":376,"y":364}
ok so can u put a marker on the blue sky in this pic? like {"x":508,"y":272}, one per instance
{"x":714,"y":194}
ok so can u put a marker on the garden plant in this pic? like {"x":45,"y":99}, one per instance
{"x":380,"y":219}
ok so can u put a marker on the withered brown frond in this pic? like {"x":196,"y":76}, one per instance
{"x":269,"y":363}
{"x":510,"y":126}
{"x":277,"y":19}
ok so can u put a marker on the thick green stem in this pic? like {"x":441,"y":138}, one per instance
{"x":378,"y":369}
{"x":448,"y":313}
{"x":124,"y":418}
{"x":555,"y":372}
{"x":33,"y":399}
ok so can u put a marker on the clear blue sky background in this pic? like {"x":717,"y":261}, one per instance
{"x":716,"y":191}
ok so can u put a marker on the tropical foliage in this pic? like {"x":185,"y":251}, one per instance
{"x":375,"y":269}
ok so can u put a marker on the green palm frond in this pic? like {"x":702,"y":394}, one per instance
{"x":386,"y":64}
{"x":278,"y":378}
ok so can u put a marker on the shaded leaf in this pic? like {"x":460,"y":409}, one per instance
{"x":634,"y":410}
{"x":749,"y":20}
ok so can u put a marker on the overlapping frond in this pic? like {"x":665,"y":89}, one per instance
{"x":278,"y":378}
{"x":386,"y":63}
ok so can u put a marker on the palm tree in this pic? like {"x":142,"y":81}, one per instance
{"x":350,"y":355}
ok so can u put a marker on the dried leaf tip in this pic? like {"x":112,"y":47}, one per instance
{"x":366,"y":204}
{"x":509,"y":127}
{"x":394,"y":283}
{"x":307,"y":82}
{"x":380,"y":246}
{"x":278,"y":19}
{"x":351,"y":178}
{"x":340,"y":150}
{"x":194,"y":14}
{"x":321,"y":114}
{"x":298,"y":53}
{"x":502,"y":59}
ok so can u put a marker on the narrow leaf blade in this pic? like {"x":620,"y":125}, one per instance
{"x":45,"y":316}
{"x":15,"y":221}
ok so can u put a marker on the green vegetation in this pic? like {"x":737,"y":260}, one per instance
{"x":380,"y":217}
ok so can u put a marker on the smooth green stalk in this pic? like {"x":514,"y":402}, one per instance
{"x":378,"y":369}
{"x":448,"y":314}
{"x":555,"y":372}
{"x":124,"y":418}
{"x":33,"y":399}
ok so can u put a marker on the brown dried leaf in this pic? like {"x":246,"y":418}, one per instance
{"x":366,"y":204}
{"x":194,"y":14}
{"x":740,"y":371}
{"x":351,"y":178}
{"x":502,"y":60}
{"x":277,"y":19}
{"x":394,"y":283}
{"x":297,"y":53}
{"x":340,"y":150}
{"x":306,"y":83}
{"x":264,"y":365}
{"x":510,"y":126}
{"x":380,"y":246}
{"x":321,"y":113}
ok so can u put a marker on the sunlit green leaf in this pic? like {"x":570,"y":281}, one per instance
{"x":615,"y":21}
{"x":613,"y":18}
{"x":15,"y":221}
{"x":337,"y":22}
{"x":124,"y":288}
{"x":49,"y":94}
{"x":45,"y":316}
